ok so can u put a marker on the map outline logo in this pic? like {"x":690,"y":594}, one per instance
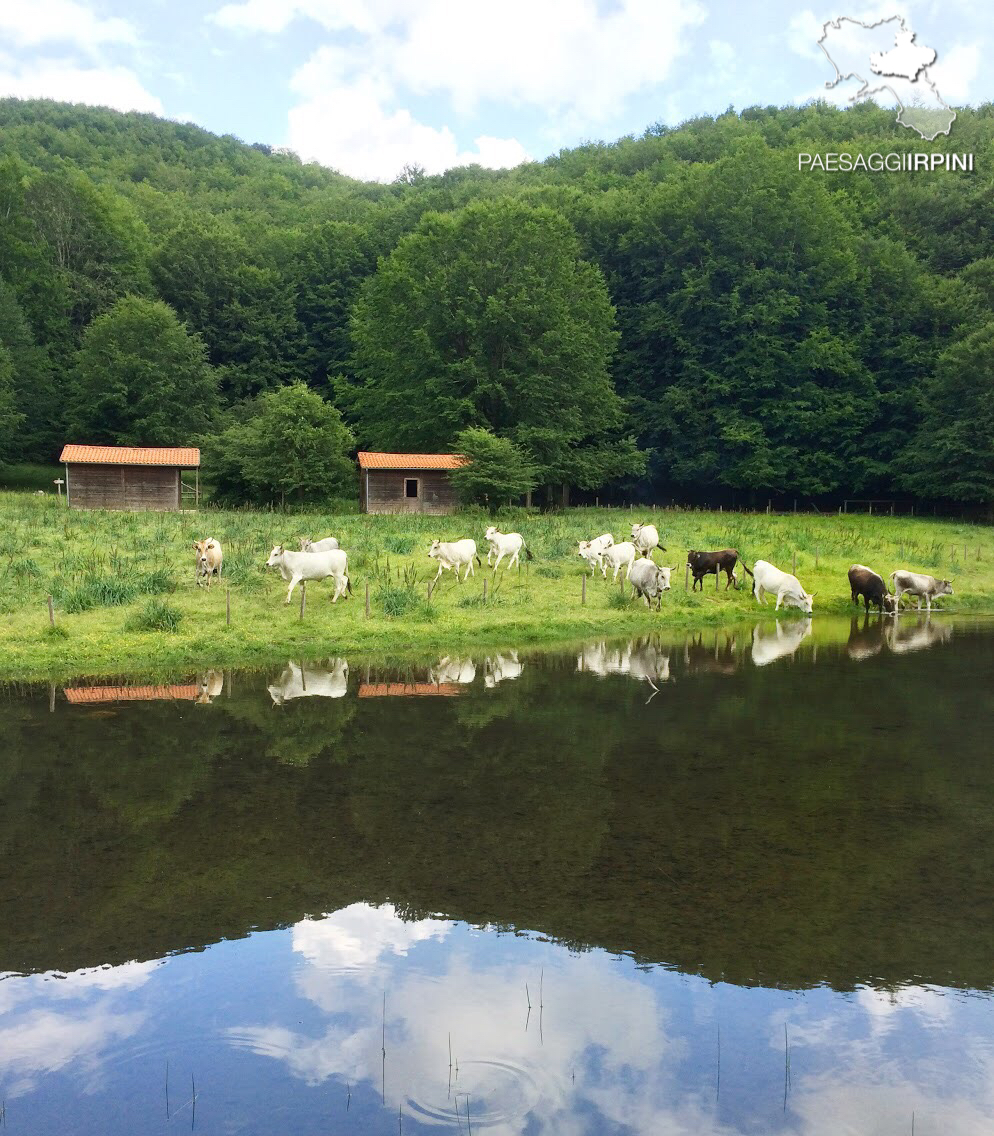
{"x":898,"y":70}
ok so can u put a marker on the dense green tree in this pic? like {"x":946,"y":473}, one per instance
{"x":489,"y":317}
{"x":496,"y":470}
{"x":141,"y":379}
{"x":293,"y":448}
{"x":952,"y":454}
{"x":32,"y":382}
{"x":10,"y":418}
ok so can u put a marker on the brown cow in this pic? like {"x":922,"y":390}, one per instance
{"x":865,"y":583}
{"x":711,"y":563}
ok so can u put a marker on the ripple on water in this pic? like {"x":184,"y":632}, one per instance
{"x":497,"y":1092}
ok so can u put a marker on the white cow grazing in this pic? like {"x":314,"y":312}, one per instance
{"x":920,"y":585}
{"x":453,"y":554}
{"x":451,"y":669}
{"x":310,"y":682}
{"x":210,"y":559}
{"x":645,"y":539}
{"x":505,"y":544}
{"x":650,"y":581}
{"x":787,"y":588}
{"x":301,"y":567}
{"x":618,"y":556}
{"x":329,"y":544}
{"x":767,"y":648}
{"x":498,"y":668}
{"x":593,"y":550}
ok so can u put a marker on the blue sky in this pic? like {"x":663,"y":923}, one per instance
{"x":366,"y":86}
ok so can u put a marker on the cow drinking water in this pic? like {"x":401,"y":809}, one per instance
{"x":866,"y":584}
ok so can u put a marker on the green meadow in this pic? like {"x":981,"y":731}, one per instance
{"x":125,"y":598}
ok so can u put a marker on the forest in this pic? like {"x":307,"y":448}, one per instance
{"x":682,"y":315}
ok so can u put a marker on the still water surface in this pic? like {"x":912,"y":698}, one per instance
{"x":741,"y":882}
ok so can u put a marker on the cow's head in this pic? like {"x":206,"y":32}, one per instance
{"x":637,"y":528}
{"x":305,"y":543}
{"x":806,"y":603}
{"x":663,"y":579}
{"x":944,"y":588}
{"x":692,"y":555}
{"x":491,"y":533}
{"x":275,"y":557}
{"x":583,"y":548}
{"x":435,"y":546}
{"x":889,"y":603}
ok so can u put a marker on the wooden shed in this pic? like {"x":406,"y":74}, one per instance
{"x":129,"y":477}
{"x":407,"y":483}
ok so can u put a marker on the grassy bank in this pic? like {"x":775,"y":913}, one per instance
{"x":125,"y":598}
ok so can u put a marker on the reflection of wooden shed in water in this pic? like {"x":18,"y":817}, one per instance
{"x":408,"y":689}
{"x":91,"y":695}
{"x":129,"y":477}
{"x":407,"y":483}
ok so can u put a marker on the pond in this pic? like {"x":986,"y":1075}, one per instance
{"x":736,"y":882}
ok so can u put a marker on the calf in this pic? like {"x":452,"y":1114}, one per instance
{"x":787,"y":588}
{"x":300,"y":567}
{"x":865,"y":583}
{"x":328,"y":544}
{"x":593,"y":550}
{"x":618,"y":556}
{"x":209,"y":559}
{"x":452,"y":555}
{"x":650,"y":581}
{"x":712,"y":563}
{"x":920,"y":585}
{"x":505,"y":544}
{"x":646,"y":538}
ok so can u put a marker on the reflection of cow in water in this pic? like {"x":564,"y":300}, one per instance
{"x":866,"y":641}
{"x":453,"y":670}
{"x":902,"y":638}
{"x":710,"y":658}
{"x":209,"y":686}
{"x":640,"y":659}
{"x":308,"y":681}
{"x":767,"y":648}
{"x":499,"y":668}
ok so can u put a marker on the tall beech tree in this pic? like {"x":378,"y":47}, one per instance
{"x":489,"y":317}
{"x":140,"y":378}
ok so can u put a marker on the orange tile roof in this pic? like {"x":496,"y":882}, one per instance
{"x":186,"y":457}
{"x":369,"y":460}
{"x":408,"y":689}
{"x":86,"y":694}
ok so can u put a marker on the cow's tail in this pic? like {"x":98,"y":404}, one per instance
{"x":479,"y":562}
{"x":348,"y":584}
{"x":528,"y":553}
{"x":891,"y":578}
{"x":745,"y":567}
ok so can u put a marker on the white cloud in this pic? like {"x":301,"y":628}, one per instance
{"x":357,"y":936}
{"x":63,"y":22}
{"x":955,"y":70}
{"x":110,"y":86}
{"x":351,"y":130}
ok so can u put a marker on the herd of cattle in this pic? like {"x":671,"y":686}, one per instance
{"x":324,"y":559}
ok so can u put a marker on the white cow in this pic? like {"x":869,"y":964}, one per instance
{"x":498,"y":668}
{"x":210,"y":559}
{"x":618,"y":556}
{"x":920,"y":585}
{"x":650,"y":581}
{"x":310,"y":682}
{"x":787,"y":588}
{"x":593,"y":550}
{"x":301,"y":567}
{"x":453,"y":554}
{"x":505,"y":544}
{"x":767,"y":648}
{"x":646,"y":538}
{"x":328,"y":544}
{"x":453,"y":669}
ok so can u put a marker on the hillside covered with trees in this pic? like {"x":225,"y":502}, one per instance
{"x":683,"y":314}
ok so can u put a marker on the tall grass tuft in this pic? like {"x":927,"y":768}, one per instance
{"x":97,"y":591}
{"x":154,"y":615}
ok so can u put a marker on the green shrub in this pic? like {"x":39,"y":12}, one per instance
{"x":98,"y":591}
{"x":155,"y":615}
{"x":156,"y":582}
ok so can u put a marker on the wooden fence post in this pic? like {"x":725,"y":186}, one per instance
{"x":716,"y":574}
{"x":227,"y":607}
{"x":793,"y":566}
{"x":51,"y":611}
{"x":367,"y":599}
{"x":686,"y":575}
{"x":303,"y":599}
{"x":484,"y":589}
{"x":583,"y":588}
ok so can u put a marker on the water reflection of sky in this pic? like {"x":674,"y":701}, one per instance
{"x":285,"y":1031}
